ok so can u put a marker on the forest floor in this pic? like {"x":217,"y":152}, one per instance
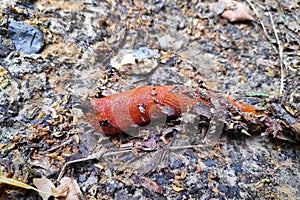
{"x":251,"y":54}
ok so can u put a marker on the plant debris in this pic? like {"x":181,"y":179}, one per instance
{"x":233,"y":11}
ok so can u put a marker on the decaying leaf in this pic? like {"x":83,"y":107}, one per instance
{"x":233,"y":11}
{"x":151,"y":143}
{"x":13,"y":182}
{"x":150,"y":184}
{"x":90,"y":181}
{"x":177,"y":189}
{"x":70,"y":187}
{"x":60,"y":192}
{"x":44,"y":184}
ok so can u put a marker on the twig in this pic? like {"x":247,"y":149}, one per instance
{"x":116,"y":152}
{"x":280,"y":52}
{"x":262,"y":24}
{"x":191,"y":146}
{"x":56,"y":147}
{"x":97,"y":155}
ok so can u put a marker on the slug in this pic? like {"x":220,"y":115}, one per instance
{"x":120,"y":112}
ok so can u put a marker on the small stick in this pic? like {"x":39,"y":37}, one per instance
{"x":262,"y":24}
{"x":97,"y":155}
{"x":191,"y":146}
{"x":280,"y":52}
{"x":62,"y":144}
{"x":103,"y":153}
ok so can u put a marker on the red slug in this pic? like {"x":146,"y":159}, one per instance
{"x":138,"y":107}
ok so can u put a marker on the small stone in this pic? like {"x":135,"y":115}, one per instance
{"x":27,"y":39}
{"x":210,"y":163}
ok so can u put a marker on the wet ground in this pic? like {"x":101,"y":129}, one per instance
{"x":94,"y":48}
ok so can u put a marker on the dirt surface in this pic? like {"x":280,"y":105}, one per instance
{"x":96,"y":48}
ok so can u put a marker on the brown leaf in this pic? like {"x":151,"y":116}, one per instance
{"x":234,"y":11}
{"x":60,"y":192}
{"x":177,"y":189}
{"x":151,"y":143}
{"x":69,"y":188}
{"x":44,"y":184}
{"x":16,"y":183}
{"x":150,"y":184}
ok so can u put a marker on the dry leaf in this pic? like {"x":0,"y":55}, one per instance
{"x":150,"y":184}
{"x":60,"y":192}
{"x":69,"y":188}
{"x":151,"y":143}
{"x":13,"y":182}
{"x":44,"y":184}
{"x":234,"y":11}
{"x":177,"y":189}
{"x":91,"y":180}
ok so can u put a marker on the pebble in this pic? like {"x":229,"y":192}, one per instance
{"x":26,"y":38}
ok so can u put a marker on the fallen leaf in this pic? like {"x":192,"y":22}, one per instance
{"x":44,"y":184}
{"x":151,"y":143}
{"x":150,"y":184}
{"x":60,"y":192}
{"x":177,"y":189}
{"x":234,"y":11}
{"x":90,"y":181}
{"x":265,"y":180}
{"x":13,"y":182}
{"x":70,"y":188}
{"x":101,"y":167}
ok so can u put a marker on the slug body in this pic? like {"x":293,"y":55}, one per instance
{"x":128,"y":110}
{"x":138,"y":107}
